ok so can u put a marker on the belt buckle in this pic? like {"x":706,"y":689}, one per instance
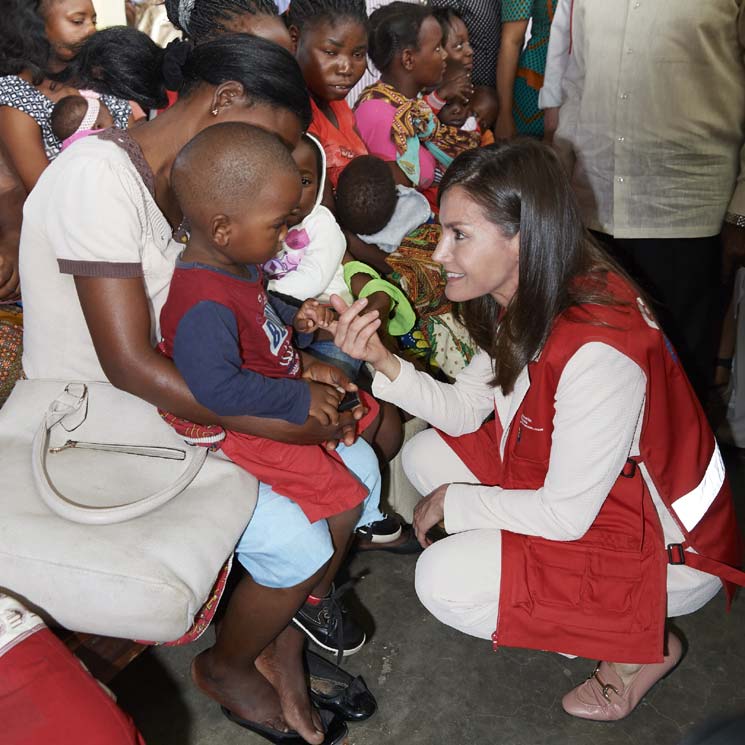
{"x":676,"y":554}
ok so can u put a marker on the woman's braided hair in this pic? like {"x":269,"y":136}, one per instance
{"x":306,"y":13}
{"x":201,"y":20}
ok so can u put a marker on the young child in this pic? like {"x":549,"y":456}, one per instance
{"x":74,"y":117}
{"x":237,"y":185}
{"x":397,"y":220}
{"x":309,"y":264}
{"x":371,"y":205}
{"x":485,"y":107}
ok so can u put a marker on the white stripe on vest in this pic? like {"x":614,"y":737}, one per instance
{"x":691,"y":507}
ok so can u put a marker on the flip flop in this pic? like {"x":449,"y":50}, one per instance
{"x":335,"y":689}
{"x":336,"y":729}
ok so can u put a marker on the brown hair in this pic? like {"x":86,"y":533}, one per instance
{"x":522,"y":188}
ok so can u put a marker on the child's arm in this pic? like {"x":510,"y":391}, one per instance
{"x":206,"y":352}
{"x":312,"y":316}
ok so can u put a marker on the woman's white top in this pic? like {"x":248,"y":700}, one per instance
{"x":90,"y":214}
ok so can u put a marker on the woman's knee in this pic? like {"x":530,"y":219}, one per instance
{"x":416,"y":460}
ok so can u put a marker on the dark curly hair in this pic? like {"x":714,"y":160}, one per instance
{"x":365,"y":195}
{"x":306,"y":13}
{"x":23,"y":41}
{"x":201,"y":20}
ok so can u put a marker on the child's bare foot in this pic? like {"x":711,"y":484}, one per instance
{"x":246,"y":693}
{"x":281,"y":663}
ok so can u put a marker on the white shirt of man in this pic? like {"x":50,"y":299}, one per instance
{"x":652,"y":119}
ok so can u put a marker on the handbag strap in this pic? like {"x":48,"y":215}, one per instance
{"x":69,"y":410}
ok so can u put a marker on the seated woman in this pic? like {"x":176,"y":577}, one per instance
{"x":595,"y":502}
{"x":49,"y":33}
{"x":97,"y":258}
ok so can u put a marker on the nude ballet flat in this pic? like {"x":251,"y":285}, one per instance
{"x":603,"y":696}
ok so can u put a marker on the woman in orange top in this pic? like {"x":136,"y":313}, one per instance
{"x":331,"y":41}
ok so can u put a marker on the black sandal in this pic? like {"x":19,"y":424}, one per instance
{"x":336,"y":729}
{"x":336,"y":690}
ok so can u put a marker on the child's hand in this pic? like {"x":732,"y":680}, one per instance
{"x":458,"y":88}
{"x":311,"y":316}
{"x":324,"y":402}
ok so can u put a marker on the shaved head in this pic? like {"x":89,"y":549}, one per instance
{"x":222,"y":169}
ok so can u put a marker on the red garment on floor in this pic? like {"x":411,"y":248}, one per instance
{"x":47,"y":698}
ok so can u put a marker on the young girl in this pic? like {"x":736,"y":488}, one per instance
{"x":393,"y":119}
{"x":331,"y":41}
{"x":37,"y":39}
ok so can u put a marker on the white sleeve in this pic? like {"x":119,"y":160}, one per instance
{"x":321,"y":259}
{"x":557,"y":56}
{"x":455,"y":408}
{"x":599,"y":399}
{"x":99,"y":217}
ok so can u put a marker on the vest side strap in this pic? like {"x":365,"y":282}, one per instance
{"x":711,"y":566}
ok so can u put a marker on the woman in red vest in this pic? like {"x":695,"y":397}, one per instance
{"x":593,"y":505}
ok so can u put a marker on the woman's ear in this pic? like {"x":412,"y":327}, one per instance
{"x":408,"y":60}
{"x":294,"y":37}
{"x":227,"y":94}
{"x":220,"y":229}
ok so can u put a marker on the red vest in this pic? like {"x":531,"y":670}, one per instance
{"x":604,"y":596}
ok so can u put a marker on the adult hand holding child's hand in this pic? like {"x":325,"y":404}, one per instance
{"x":356,"y":334}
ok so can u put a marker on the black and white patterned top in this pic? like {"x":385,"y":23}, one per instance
{"x":18,"y":94}
{"x":483,"y":19}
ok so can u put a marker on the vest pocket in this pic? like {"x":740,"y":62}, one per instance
{"x":588,"y":588}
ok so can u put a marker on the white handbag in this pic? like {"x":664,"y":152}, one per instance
{"x":142,"y":578}
{"x":123,"y":462}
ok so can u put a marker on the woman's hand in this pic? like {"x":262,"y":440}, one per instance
{"x":504,"y":127}
{"x":458,"y":88}
{"x":9,"y":278}
{"x":429,"y":511}
{"x":356,"y":335}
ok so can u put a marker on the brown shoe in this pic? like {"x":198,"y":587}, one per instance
{"x":604,"y":697}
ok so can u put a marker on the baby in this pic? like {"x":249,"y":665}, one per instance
{"x":370,"y":204}
{"x":74,"y":117}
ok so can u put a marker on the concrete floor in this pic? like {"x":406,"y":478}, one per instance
{"x":435,"y":685}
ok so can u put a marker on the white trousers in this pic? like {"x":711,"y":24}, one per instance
{"x":457,"y":578}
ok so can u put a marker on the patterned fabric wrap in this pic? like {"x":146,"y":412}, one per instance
{"x":414,"y":124}
{"x":11,"y":349}
{"x":437,"y":339}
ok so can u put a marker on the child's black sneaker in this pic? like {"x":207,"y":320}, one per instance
{"x":386,"y":530}
{"x":327,"y":623}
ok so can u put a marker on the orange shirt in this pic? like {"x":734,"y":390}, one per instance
{"x":340,"y":144}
